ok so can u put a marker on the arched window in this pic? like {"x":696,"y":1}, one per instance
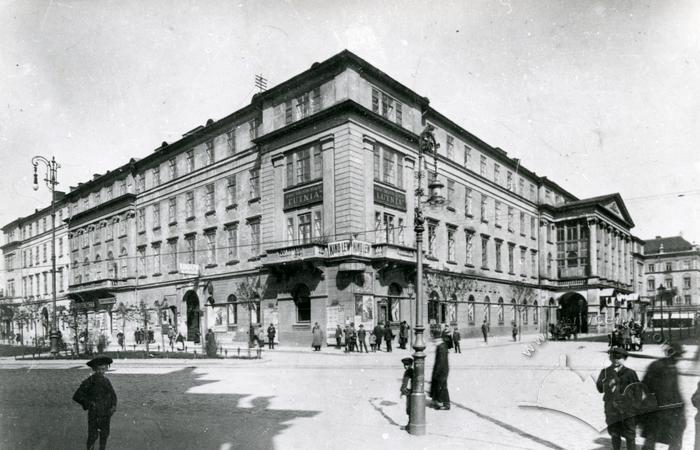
{"x":434,"y":308}
{"x":76,"y":272}
{"x":393,"y":303}
{"x":98,"y":267}
{"x":470,"y":310}
{"x":525,"y":312}
{"x":514,"y":310}
{"x":86,"y":270}
{"x":232,"y":310}
{"x":111,"y":266}
{"x":452,"y":310}
{"x":501,"y":314}
{"x":535,"y":313}
{"x":123,"y":262}
{"x":302,"y":301}
{"x":487,"y":310}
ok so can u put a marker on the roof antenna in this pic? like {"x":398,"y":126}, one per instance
{"x":260,"y":83}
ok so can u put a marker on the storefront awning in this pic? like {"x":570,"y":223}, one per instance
{"x":607,"y":292}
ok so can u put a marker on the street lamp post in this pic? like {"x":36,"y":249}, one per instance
{"x":426,"y":144}
{"x":51,"y":172}
{"x":661,"y":290}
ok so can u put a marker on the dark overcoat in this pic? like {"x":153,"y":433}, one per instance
{"x":96,"y":395}
{"x":612,"y":385}
{"x":668,"y":422}
{"x":441,"y":369}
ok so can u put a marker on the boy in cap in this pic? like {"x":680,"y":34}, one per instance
{"x":407,"y":377}
{"x":97,"y":396}
{"x":619,"y":412}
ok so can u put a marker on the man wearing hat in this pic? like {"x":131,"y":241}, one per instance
{"x":667,"y":423}
{"x":619,"y":411}
{"x":438,"y":384}
{"x":406,"y":382}
{"x":97,"y":396}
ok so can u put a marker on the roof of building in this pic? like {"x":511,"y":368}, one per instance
{"x":671,"y":244}
{"x":611,"y":203}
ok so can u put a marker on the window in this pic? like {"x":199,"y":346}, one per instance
{"x":651,"y":268}
{"x":231,"y":142}
{"x":669,"y":283}
{"x":253,"y":129}
{"x":401,"y":233}
{"x":468,"y":206}
{"x":669,"y":267}
{"x":522,"y":260}
{"x":302,"y":301}
{"x":232,"y":242}
{"x":255,"y":237}
{"x":533,"y":262}
{"x":172,"y":210}
{"x":123,"y":255}
{"x":432,"y":228}
{"x":156,"y":215}
{"x":532,"y":192}
{"x":686,"y":264}
{"x":288,"y":112}
{"x":510,"y":218}
{"x":497,"y":218}
{"x":482,"y":208}
{"x":156,"y":258}
{"x":141,"y":221}
{"x":140,"y":183}
{"x":496,"y":173}
{"x":522,"y":223}
{"x":484,"y":252}
{"x":511,"y":259}
{"x":388,"y":165}
{"x":189,"y":204}
{"x":469,"y":248}
{"x":231,"y":196}
{"x":232,"y":310}
{"x":686,"y":282}
{"x":254,"y":183}
{"x":303,"y":103}
{"x":548,"y":227}
{"x":60,"y":249}
{"x":686,"y":299}
{"x":141,"y":259}
{"x":450,"y":148}
{"x":572,"y":249}
{"x":521,"y":186}
{"x":549,"y":265}
{"x":451,"y":244}
{"x":317,"y":225}
{"x":509,"y":181}
{"x":547,"y":196}
{"x":467,"y":157}
{"x":189,"y":161}
{"x":209,"y":153}
{"x":499,"y":245}
{"x":43,"y":248}
{"x":304,"y":228}
{"x":172,"y":252}
{"x":290,"y":231}
{"x":450,"y":193}
{"x":190,"y":250}
{"x":211,"y":247}
{"x":172,"y":168}
{"x":482,"y":168}
{"x":533,"y":227}
{"x":209,"y":201}
{"x":387,"y":106}
{"x":304,"y":165}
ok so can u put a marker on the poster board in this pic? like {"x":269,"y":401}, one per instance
{"x":364,"y":311}
{"x":335,"y":315}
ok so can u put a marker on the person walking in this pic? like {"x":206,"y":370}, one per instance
{"x":438,"y":385}
{"x":666,"y":423}
{"x":455,"y":340}
{"x":619,"y":412}
{"x":317,"y":337}
{"x":485,"y":331}
{"x":515,"y":331}
{"x":403,"y":334}
{"x":210,"y":343}
{"x":271,"y":333}
{"x":379,"y":335}
{"x":362,"y":339}
{"x":338,"y":336}
{"x":96,"y":395}
{"x":388,"y":336}
{"x":447,"y":334}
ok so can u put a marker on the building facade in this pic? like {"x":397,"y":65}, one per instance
{"x":299,"y":209}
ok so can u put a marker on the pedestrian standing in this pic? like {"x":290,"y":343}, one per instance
{"x":181,"y":339}
{"x":120,"y":339}
{"x":379,"y":335}
{"x":338,"y":336}
{"x":317,"y":337}
{"x":406,"y":382}
{"x":353,"y":337}
{"x":696,"y":402}
{"x":619,"y":413}
{"x":171,"y":338}
{"x":136,"y":335}
{"x":403,"y":334}
{"x":388,"y":336}
{"x":372,"y":341}
{"x":447,"y":334}
{"x":438,"y":384}
{"x":455,"y":340}
{"x":667,"y":423}
{"x":261,"y":336}
{"x":515,"y":331}
{"x":98,"y":398}
{"x":271,"y":333}
{"x":210,"y":343}
{"x":362,"y":339}
{"x":485,"y":331}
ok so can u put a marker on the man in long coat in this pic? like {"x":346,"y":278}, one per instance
{"x":438,"y":384}
{"x":619,"y":412}
{"x":388,"y":336}
{"x":667,"y":423}
{"x":317,"y":337}
{"x":379,"y":334}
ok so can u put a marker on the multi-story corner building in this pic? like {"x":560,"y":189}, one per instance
{"x":299,"y":208}
{"x":27,"y":304}
{"x":674,"y":263}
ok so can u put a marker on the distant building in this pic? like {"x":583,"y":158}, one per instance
{"x":299,"y":209}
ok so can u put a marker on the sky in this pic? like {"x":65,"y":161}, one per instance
{"x":599,"y":96}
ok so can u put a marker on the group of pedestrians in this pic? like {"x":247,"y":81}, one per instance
{"x":655,"y":403}
{"x":627,"y":336}
{"x":355,"y":339}
{"x":140,"y":336}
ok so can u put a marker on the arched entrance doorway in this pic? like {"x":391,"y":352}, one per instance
{"x":194,"y":314}
{"x":573,"y":309}
{"x":437,"y":311}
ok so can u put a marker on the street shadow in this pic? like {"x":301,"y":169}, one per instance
{"x":154,"y":411}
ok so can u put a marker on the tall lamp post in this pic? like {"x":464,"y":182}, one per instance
{"x":426,"y":145}
{"x":51,"y":172}
{"x":661,"y":291}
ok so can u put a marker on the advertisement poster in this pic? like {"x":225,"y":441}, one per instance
{"x":364,"y":311}
{"x":335,"y":315}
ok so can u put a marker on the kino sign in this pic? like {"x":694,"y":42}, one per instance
{"x":345,"y":248}
{"x":188,"y":269}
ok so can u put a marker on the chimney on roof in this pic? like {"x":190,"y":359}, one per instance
{"x":661,"y":248}
{"x":657,"y":237}
{"x":96,"y":176}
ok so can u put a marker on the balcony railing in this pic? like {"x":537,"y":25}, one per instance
{"x":340,"y":249}
{"x":104,"y":283}
{"x":395,"y":252}
{"x":349,"y":248}
{"x":569,"y":283}
{"x":572,"y":272}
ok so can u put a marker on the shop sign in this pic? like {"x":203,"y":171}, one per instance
{"x":188,"y":269}
{"x":349,"y":247}
{"x":303,"y":197}
{"x":389,"y":198}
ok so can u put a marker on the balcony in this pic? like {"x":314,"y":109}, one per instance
{"x":296,"y":254}
{"x":349,"y":248}
{"x":102,"y":284}
{"x":395,"y":253}
{"x":572,"y":272}
{"x":569,"y":283}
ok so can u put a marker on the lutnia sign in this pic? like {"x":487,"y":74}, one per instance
{"x":303,"y":197}
{"x":387,"y":197}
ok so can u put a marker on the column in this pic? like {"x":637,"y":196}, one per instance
{"x":592,"y":248}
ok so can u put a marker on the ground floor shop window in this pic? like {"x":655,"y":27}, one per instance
{"x":470,"y":310}
{"x":302,"y":301}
